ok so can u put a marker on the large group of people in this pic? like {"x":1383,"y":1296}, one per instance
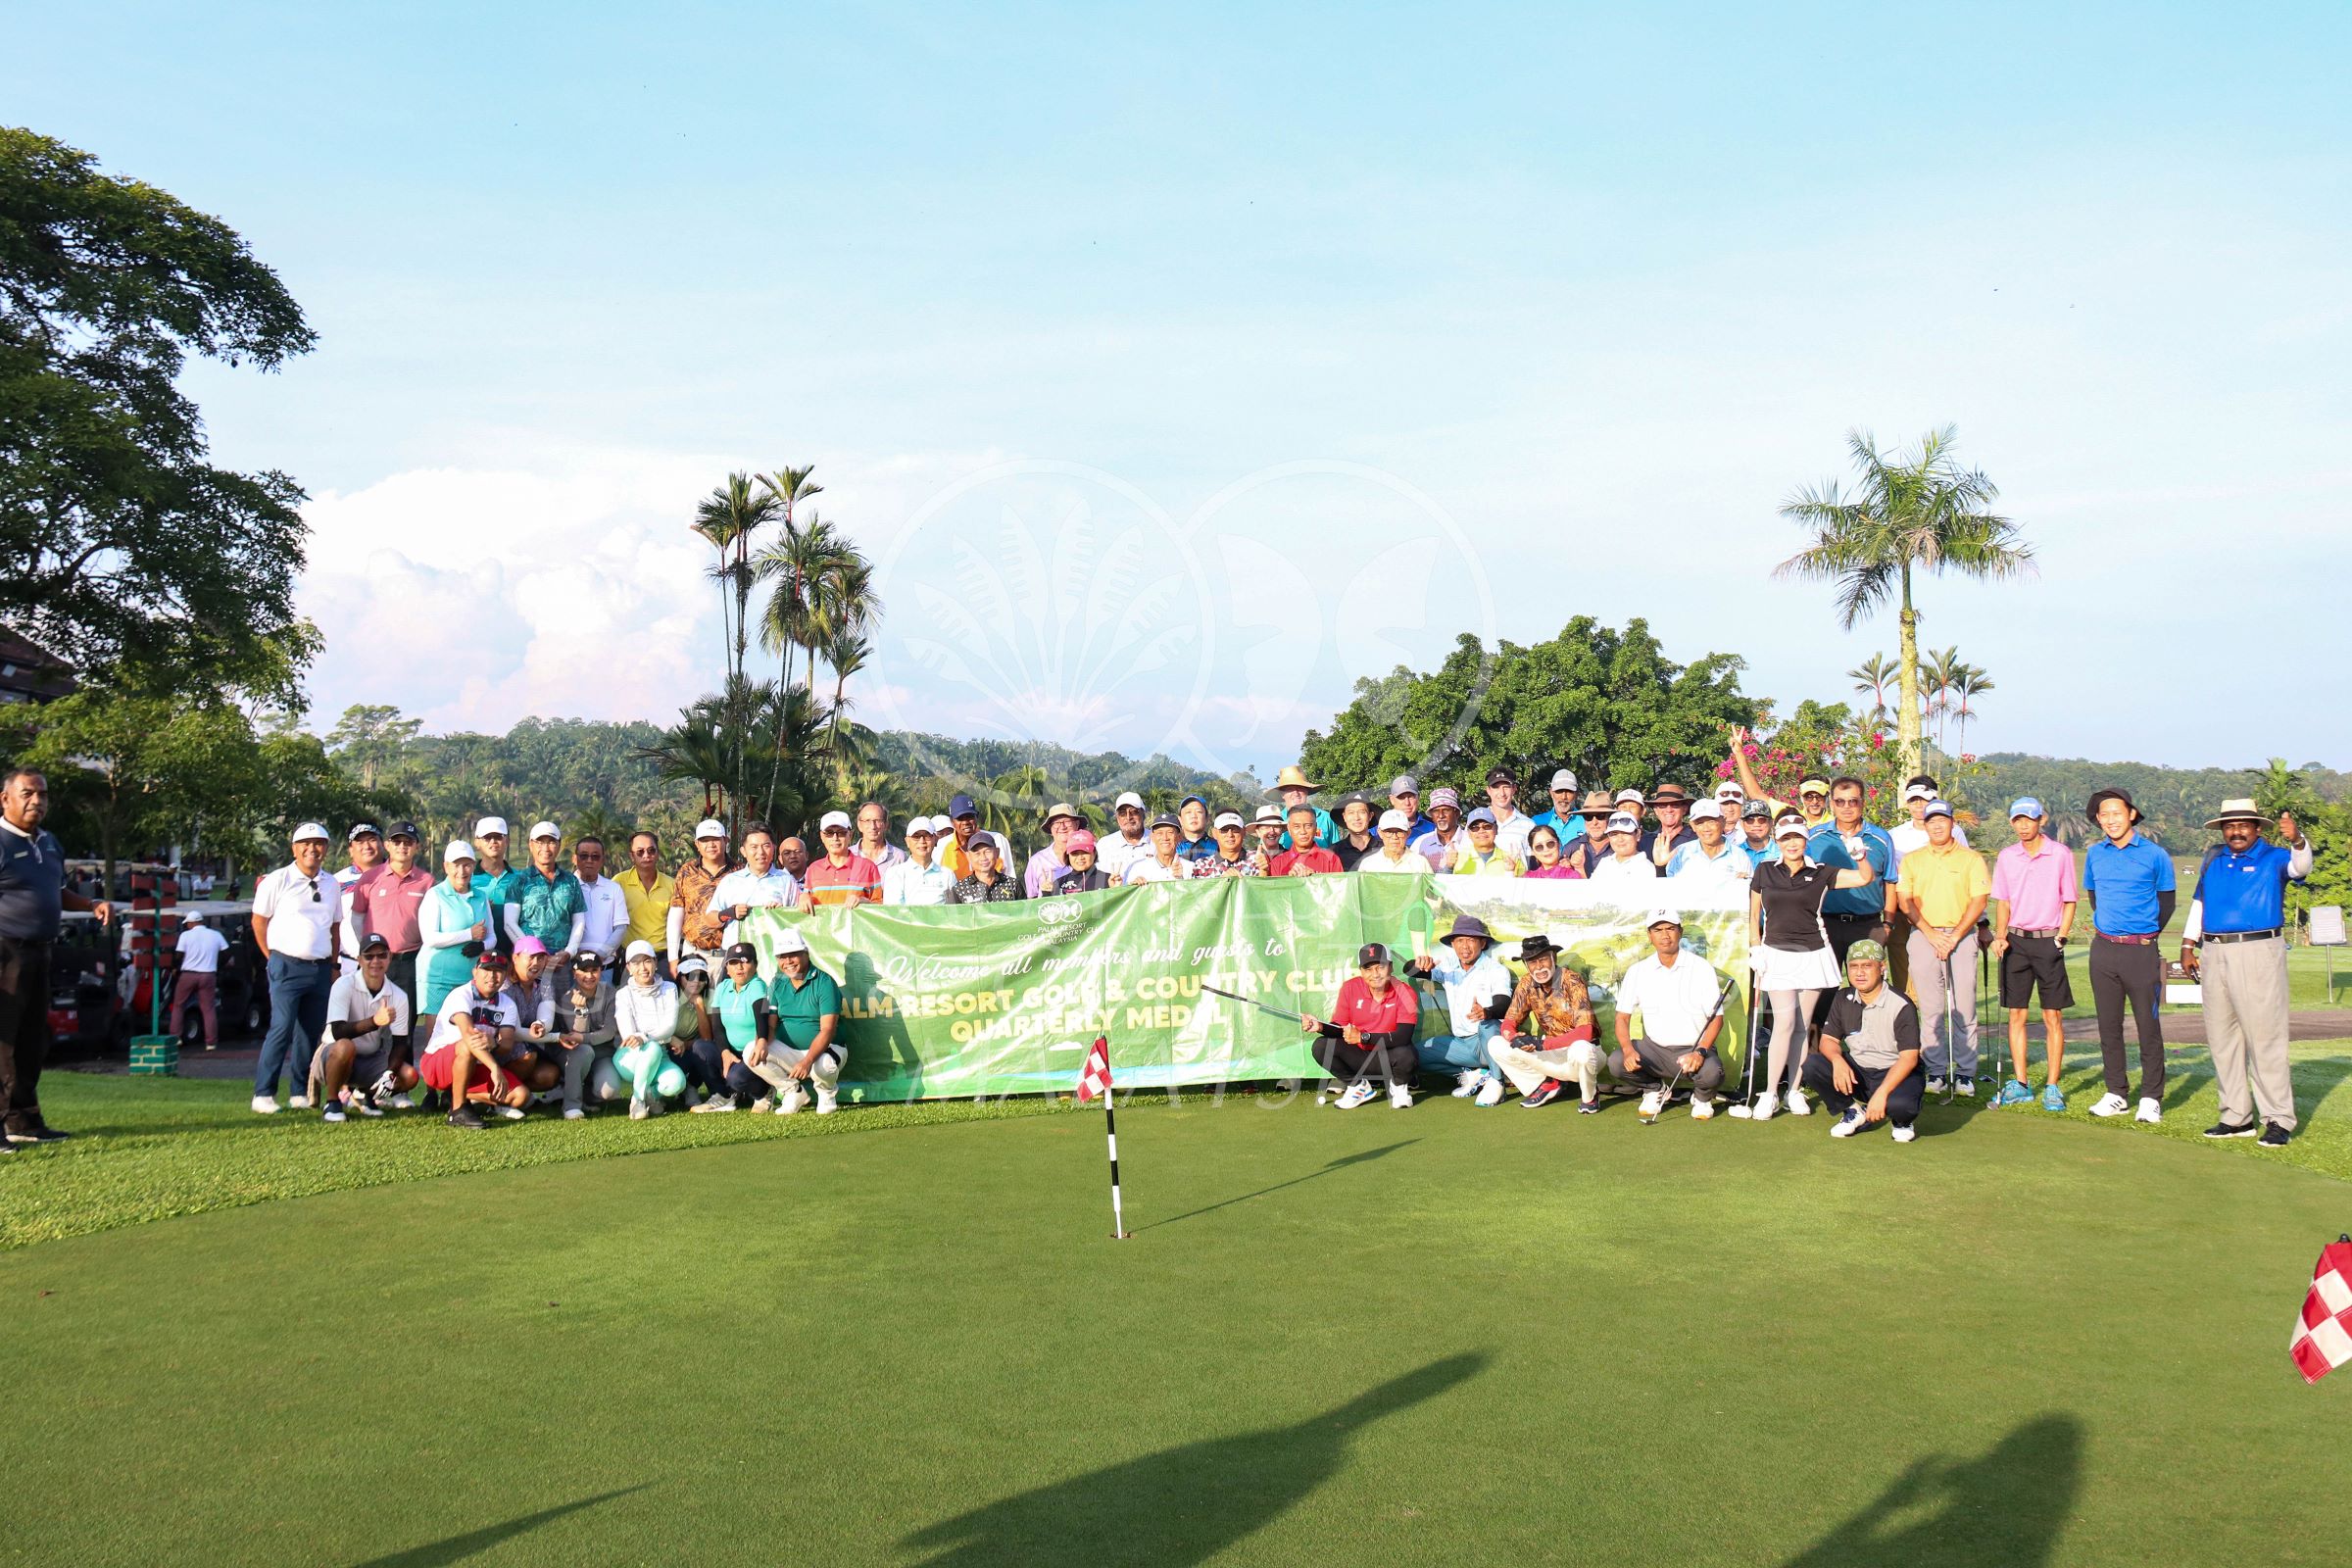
{"x":569,"y":986}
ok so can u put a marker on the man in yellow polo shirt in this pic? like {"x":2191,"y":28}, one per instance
{"x":1942,"y":889}
{"x":647,"y":890}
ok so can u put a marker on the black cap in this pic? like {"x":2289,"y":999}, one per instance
{"x":1501,"y":775}
{"x":1163,"y":819}
{"x":373,"y":942}
{"x":2092,"y":810}
{"x":744,"y":950}
{"x":492,"y":959}
{"x":1756,"y":808}
{"x":587,"y":959}
{"x":1373,"y":953}
{"x":401,"y":830}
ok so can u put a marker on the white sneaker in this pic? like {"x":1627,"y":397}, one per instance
{"x":1936,"y":1086}
{"x":1466,"y":1083}
{"x":2110,"y":1105}
{"x":1903,"y":1135}
{"x":264,"y":1105}
{"x":2150,"y":1110}
{"x":298,"y":1101}
{"x":1490,"y":1092}
{"x":1354,"y":1094}
{"x":790,"y":1100}
{"x":1848,"y":1125}
{"x":1799,"y":1104}
{"x":1701,"y":1109}
{"x":715,"y":1105}
{"x":510,"y":1113}
{"x":1652,"y":1102}
{"x":401,"y":1102}
{"x":1400,"y":1098}
{"x":828,"y":1101}
{"x":1766,"y":1108}
{"x":576,"y":1114}
{"x":639,"y":1111}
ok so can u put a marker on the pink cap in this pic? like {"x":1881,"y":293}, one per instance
{"x":529,"y":945}
{"x":1080,"y":840}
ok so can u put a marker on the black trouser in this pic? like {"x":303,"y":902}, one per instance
{"x":1397,"y":1064}
{"x":705,"y":1066}
{"x":1902,"y":1101}
{"x":1656,"y":1066}
{"x":403,"y":974}
{"x":1845,"y":930}
{"x":24,"y":1030}
{"x":2120,"y":972}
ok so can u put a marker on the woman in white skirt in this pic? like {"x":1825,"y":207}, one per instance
{"x":1790,"y":954}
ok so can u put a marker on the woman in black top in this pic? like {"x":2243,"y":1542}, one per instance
{"x":1790,"y":954}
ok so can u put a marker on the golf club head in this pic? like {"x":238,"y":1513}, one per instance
{"x":1740,"y":1112}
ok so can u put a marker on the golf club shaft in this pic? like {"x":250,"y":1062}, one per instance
{"x":1247,"y":1002}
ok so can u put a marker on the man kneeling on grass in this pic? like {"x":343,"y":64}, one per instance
{"x":1679,"y":995}
{"x":474,"y":1027}
{"x":1371,"y":1030}
{"x":1866,"y":1070}
{"x":1553,"y":1007}
{"x":807,"y":1006}
{"x":365,"y":1013}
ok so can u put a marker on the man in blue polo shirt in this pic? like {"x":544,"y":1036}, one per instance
{"x":2233,"y":943}
{"x":1843,"y":842}
{"x":2130,"y":883}
{"x":1564,"y":819}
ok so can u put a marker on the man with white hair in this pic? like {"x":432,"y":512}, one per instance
{"x":916,"y":879}
{"x":1116,"y":852}
{"x":297,"y":923}
{"x":1552,"y":1008}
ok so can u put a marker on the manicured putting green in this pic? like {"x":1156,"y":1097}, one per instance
{"x":1441,"y":1336}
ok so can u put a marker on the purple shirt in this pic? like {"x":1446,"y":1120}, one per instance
{"x":2036,"y":887}
{"x":1044,"y":868}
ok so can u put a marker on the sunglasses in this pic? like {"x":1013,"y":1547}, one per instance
{"x":315,"y":899}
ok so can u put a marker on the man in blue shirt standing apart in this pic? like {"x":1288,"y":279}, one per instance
{"x":33,"y":899}
{"x":2234,"y":942}
{"x":2130,"y":883}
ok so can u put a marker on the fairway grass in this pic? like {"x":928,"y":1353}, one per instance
{"x":1443,"y":1335}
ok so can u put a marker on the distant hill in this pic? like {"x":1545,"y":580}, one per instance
{"x":2175,"y":801}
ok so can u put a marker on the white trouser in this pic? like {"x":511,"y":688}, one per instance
{"x":1527,"y":1069}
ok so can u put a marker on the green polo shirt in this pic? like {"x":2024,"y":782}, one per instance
{"x":547,"y":906}
{"x":801,"y":1008}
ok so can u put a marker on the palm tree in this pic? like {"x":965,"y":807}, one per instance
{"x":1936,"y":677}
{"x":693,"y":751}
{"x":729,"y":517}
{"x":1970,"y":682}
{"x":787,"y":487}
{"x":1920,"y":512}
{"x":1873,"y":676}
{"x":846,"y":652}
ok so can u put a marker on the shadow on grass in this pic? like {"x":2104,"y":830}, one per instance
{"x":457,"y":1548}
{"x":2007,"y":1506}
{"x":1184,"y":1504}
{"x":1341,"y":1163}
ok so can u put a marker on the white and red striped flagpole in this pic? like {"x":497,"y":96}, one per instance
{"x":1094,"y":1079}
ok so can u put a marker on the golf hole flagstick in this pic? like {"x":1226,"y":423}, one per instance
{"x":1667,"y":1098}
{"x":1755,"y":1021}
{"x":1328,"y":1086}
{"x":1093,"y":1079}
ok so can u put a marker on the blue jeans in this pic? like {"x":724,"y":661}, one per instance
{"x":1458,"y":1054}
{"x":298,"y":993}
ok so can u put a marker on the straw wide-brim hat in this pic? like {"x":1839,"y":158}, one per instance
{"x":1293,"y":778}
{"x":2241,"y":809}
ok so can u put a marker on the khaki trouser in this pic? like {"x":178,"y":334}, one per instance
{"x":2245,"y":1029}
{"x":1948,"y":1031}
{"x":1527,"y":1069}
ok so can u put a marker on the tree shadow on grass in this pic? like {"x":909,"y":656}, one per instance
{"x":2006,"y":1507}
{"x":1180,"y":1505}
{"x":457,"y":1548}
{"x":1341,"y":1163}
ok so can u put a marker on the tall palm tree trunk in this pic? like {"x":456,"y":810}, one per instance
{"x":1906,"y":723}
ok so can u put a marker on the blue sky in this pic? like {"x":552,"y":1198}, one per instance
{"x":1184,"y":365}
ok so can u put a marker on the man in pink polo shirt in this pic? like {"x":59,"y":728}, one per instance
{"x":2034,"y":896}
{"x":386,"y":901}
{"x":842,"y":875}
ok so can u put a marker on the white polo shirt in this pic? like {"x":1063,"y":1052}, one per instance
{"x":489,"y":1014}
{"x":778,"y":890}
{"x":200,"y":949}
{"x":1674,"y":1004}
{"x":1149,"y":869}
{"x":606,"y":916}
{"x":1622,"y":879}
{"x":918,"y":886}
{"x":1113,"y":854}
{"x":299,"y":913}
{"x":350,"y":1002}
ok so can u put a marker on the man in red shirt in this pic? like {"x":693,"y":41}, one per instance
{"x":843,"y":876}
{"x":1309,"y":861}
{"x":1371,"y":1028}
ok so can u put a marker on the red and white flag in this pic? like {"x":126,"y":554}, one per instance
{"x":2322,"y":1338}
{"x":1093,"y":1079}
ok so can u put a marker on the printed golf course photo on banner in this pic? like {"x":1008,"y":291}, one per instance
{"x":986,"y":999}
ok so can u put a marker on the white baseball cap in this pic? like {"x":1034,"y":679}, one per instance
{"x":1563,"y":780}
{"x":546,"y":830}
{"x":1226,"y":819}
{"x":1624,"y":822}
{"x":839,"y":819}
{"x":1661,"y":917}
{"x":790,"y":940}
{"x":1729,"y":790}
{"x":1394,"y":818}
{"x":458,"y":849}
{"x":923,"y":825}
{"x":1791,"y":826}
{"x":709,"y":827}
{"x":640,"y":949}
{"x":1707,"y":812}
{"x":1918,"y":792}
{"x":1629,"y":795}
{"x":1128,"y":798}
{"x":1403,"y":784}
{"x":489,"y":825}
{"x":310,"y":830}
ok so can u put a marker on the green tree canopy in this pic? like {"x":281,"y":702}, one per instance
{"x":1608,"y":705}
{"x":118,"y":537}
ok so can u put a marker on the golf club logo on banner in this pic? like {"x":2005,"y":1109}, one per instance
{"x":1060,"y":911}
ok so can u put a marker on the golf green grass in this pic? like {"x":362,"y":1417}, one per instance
{"x":1440,"y":1335}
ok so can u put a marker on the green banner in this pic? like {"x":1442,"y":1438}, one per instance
{"x":1001,"y":998}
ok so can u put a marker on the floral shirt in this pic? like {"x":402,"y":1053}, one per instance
{"x":1561,"y":1007}
{"x":971,"y":890}
{"x":1218,"y":865}
{"x":704,"y":928}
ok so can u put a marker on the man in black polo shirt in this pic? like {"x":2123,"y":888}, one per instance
{"x":32,"y":903}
